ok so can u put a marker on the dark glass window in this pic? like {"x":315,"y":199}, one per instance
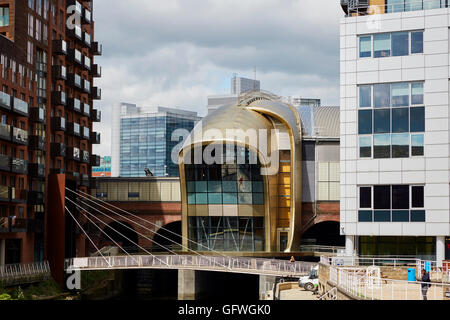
{"x":382,"y":197}
{"x":400,"y":43}
{"x":400,"y":145}
{"x":365,"y":47}
{"x":381,"y":45}
{"x":417,"y":141}
{"x":417,"y":197}
{"x":400,"y":216}
{"x":382,"y":216}
{"x":381,"y":146}
{"x":365,"y":197}
{"x":381,"y":95}
{"x":365,"y":96}
{"x":417,"y":42}
{"x":382,"y":121}
{"x":365,"y":122}
{"x":365,"y":147}
{"x":365,"y":216}
{"x":417,"y":119}
{"x":400,"y":120}
{"x":417,"y":216}
{"x":400,"y":197}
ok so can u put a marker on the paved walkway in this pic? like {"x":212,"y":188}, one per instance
{"x":297,"y":294}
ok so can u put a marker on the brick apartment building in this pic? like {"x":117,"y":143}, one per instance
{"x":47,"y":74}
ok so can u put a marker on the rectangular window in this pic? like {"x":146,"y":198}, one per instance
{"x":400,"y":197}
{"x":400,"y":120}
{"x":417,"y":145}
{"x":381,"y":95}
{"x":400,"y":44}
{"x":382,"y":121}
{"x":417,"y":196}
{"x":365,"y":147}
{"x":4,"y":16}
{"x":400,"y":94}
{"x":417,"y":42}
{"x":381,"y":146}
{"x":417,"y":119}
{"x":365,"y":47}
{"x":365,"y":197}
{"x":365,"y":121}
{"x":365,"y":96}
{"x":417,"y":93}
{"x":400,"y":145}
{"x":381,"y":45}
{"x":382,"y":197}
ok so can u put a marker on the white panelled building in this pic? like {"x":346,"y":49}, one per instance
{"x":395,"y":156}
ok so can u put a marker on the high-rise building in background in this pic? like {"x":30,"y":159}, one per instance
{"x":104,"y":170}
{"x":46,"y":130}
{"x":395,"y":128}
{"x":241,"y":85}
{"x":143,"y":140}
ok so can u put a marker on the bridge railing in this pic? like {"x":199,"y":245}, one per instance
{"x":238,"y":264}
{"x":319,"y":248}
{"x":13,"y":274}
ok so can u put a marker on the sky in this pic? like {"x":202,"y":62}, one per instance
{"x":174,"y":53}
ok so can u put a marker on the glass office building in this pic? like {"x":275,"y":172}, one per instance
{"x":146,"y":140}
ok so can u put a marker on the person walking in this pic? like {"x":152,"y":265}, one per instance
{"x":425,"y":283}
{"x":292,"y":259}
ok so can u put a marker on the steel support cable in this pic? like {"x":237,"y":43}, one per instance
{"x":206,"y":257}
{"x":101,"y":230}
{"x":87,"y":235}
{"x":153,"y":224}
{"x":124,"y":225}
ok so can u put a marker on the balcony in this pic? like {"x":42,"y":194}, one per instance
{"x":20,"y":107}
{"x":74,"y":104}
{"x":73,"y":129}
{"x":19,"y":136}
{"x":86,"y":157}
{"x":86,"y":17}
{"x":74,"y":80}
{"x":58,"y":149}
{"x":87,"y":86}
{"x":5,"y":100}
{"x":59,"y":47}
{"x":95,"y":160}
{"x":73,"y":154}
{"x":75,"y":56}
{"x":59,"y":98}
{"x":59,"y":124}
{"x":96,"y":71}
{"x":37,"y":143}
{"x":86,"y":109}
{"x":5,"y":132}
{"x":36,"y":170}
{"x":19,"y":225}
{"x":5,"y":163}
{"x":96,"y":115}
{"x":19,"y":166}
{"x":95,"y":138}
{"x":96,"y":93}
{"x":37,"y":115}
{"x":85,"y":133}
{"x":59,"y":72}
{"x":35,"y":198}
{"x":75,"y":31}
{"x":5,"y":194}
{"x":97,"y":49}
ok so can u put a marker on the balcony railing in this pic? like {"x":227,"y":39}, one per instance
{"x":87,"y":62}
{"x":86,"y":133}
{"x":95,"y":160}
{"x":36,"y":170}
{"x":97,"y":49}
{"x":37,"y":143}
{"x":96,"y":93}
{"x":86,"y":109}
{"x":58,"y":149}
{"x":20,"y":106}
{"x":86,"y":157}
{"x":96,"y":71}
{"x":74,"y":129}
{"x":95,"y":138}
{"x":73,"y":154}
{"x":87,"y":86}
{"x":59,"y":72}
{"x":362,"y":7}
{"x":74,"y":80}
{"x":19,"y":166}
{"x":74,"y":104}
{"x":75,"y":55}
{"x":19,"y":136}
{"x":59,"y":124}
{"x":96,"y":115}
{"x":59,"y":98}
{"x":87,"y":39}
{"x":5,"y":100}
{"x":60,"y":47}
{"x":5,"y":132}
{"x":37,"y":115}
{"x":5,"y":163}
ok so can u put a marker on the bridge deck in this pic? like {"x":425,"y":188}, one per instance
{"x":257,"y":266}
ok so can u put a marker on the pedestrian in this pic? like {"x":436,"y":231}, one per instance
{"x":292,"y":259}
{"x":425,"y":283}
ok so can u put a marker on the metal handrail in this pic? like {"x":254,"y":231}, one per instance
{"x":393,"y":8}
{"x":13,"y":274}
